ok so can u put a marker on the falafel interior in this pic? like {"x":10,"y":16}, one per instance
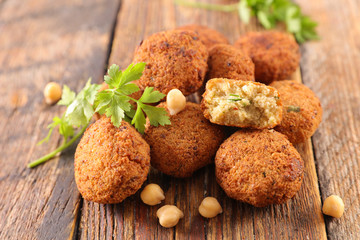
{"x":242,"y":103}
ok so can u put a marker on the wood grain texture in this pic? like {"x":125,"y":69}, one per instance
{"x":300,"y":218}
{"x":331,"y":68}
{"x":42,"y":41}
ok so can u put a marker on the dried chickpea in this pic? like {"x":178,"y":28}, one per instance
{"x":52,"y":92}
{"x":209,"y":207}
{"x":333,"y":206}
{"x":169,"y":215}
{"x":175,"y":101}
{"x":152,"y":194}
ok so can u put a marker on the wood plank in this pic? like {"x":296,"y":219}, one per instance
{"x":42,"y":41}
{"x":331,"y":68}
{"x":300,"y":218}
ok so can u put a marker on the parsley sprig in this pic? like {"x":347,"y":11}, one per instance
{"x":269,"y":13}
{"x":113,"y":102}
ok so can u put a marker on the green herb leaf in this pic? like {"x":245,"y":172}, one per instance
{"x":157,"y":116}
{"x":114,"y":76}
{"x":67,"y":96}
{"x":151,"y":96}
{"x":264,"y":20}
{"x":129,"y":88}
{"x":65,"y":129}
{"x":117,"y":107}
{"x":139,"y":120}
{"x":132,"y":72}
{"x":80,"y":111}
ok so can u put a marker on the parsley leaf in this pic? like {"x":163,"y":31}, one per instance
{"x":151,"y":96}
{"x":80,"y":111}
{"x":139,"y":120}
{"x":157,"y":116}
{"x":67,"y":96}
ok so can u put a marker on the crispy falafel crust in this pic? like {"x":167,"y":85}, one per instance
{"x":189,"y":143}
{"x":276,"y":55}
{"x":174,"y":59}
{"x":226,"y":61}
{"x":259,"y":167}
{"x":209,"y":37}
{"x":298,"y":126}
{"x":259,"y":106}
{"x":111,"y":163}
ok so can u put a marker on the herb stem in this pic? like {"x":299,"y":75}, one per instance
{"x":56,"y":151}
{"x":209,"y":6}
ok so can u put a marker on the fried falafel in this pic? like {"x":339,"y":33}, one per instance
{"x":241,"y":104}
{"x":302,"y":111}
{"x":259,"y":167}
{"x":174,"y":59}
{"x":275,"y":54}
{"x":209,"y":37}
{"x":188,"y":144}
{"x":226,"y":61}
{"x":111,"y":163}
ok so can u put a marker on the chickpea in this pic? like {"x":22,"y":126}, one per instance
{"x":169,"y":215}
{"x":52,"y":92}
{"x":209,"y":207}
{"x":175,"y":101}
{"x":152,"y":194}
{"x":333,"y":206}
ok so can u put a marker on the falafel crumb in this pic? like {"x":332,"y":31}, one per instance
{"x":242,"y":103}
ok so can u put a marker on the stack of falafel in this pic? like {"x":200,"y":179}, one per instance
{"x":257,"y":164}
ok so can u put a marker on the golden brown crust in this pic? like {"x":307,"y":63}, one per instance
{"x":212,"y":84}
{"x":298,"y":126}
{"x":259,"y":167}
{"x":276,"y":55}
{"x":174,"y":59}
{"x":209,"y":37}
{"x":189,"y":143}
{"x":111,"y":163}
{"x":226,"y":61}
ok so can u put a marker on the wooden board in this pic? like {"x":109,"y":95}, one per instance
{"x":331,"y":69}
{"x":300,"y":218}
{"x":42,"y":41}
{"x":68,"y":41}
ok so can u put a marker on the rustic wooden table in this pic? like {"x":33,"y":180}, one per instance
{"x":68,"y":41}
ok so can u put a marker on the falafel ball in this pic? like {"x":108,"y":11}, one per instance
{"x":302,"y":111}
{"x":275,"y":54}
{"x":241,"y":104}
{"x":189,"y":143}
{"x":208,"y":36}
{"x":174,"y":59}
{"x":259,"y":167}
{"x":111,"y":163}
{"x":226,"y":61}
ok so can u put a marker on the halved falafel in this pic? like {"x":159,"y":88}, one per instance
{"x":208,"y":36}
{"x":241,"y":104}
{"x":111,"y":163}
{"x":226,"y":61}
{"x":259,"y":167}
{"x":189,"y":143}
{"x":302,"y":111}
{"x":276,"y":55}
{"x":174,"y":59}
